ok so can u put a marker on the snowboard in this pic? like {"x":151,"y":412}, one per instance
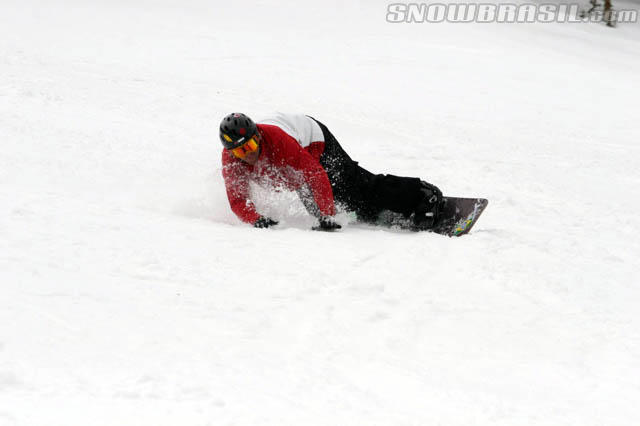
{"x":458,"y":215}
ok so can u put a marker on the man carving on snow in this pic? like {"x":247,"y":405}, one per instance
{"x":299,"y":153}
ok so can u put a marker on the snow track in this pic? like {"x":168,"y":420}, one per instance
{"x":131,"y":295}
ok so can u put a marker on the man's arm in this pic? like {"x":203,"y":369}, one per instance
{"x":314,"y":177}
{"x":237,"y":184}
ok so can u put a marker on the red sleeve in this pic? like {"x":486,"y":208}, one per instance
{"x":318,"y":180}
{"x":237,"y":183}
{"x":312,"y":173}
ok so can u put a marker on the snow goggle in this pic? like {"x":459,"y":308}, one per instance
{"x":249,"y":146}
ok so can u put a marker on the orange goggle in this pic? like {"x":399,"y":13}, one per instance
{"x":249,"y":146}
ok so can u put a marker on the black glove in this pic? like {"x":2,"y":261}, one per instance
{"x":428,"y":209}
{"x":264,"y":222}
{"x":326,"y":224}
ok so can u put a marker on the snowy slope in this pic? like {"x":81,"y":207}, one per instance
{"x":131,"y":295}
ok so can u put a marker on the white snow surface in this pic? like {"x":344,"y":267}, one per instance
{"x":131,"y":295}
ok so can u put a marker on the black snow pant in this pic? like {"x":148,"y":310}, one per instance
{"x":367,"y":194}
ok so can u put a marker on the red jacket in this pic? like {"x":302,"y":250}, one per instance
{"x":282,"y":162}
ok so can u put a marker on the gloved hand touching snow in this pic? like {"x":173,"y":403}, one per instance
{"x":326,"y":223}
{"x":264,"y":222}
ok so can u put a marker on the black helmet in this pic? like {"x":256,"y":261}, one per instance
{"x":235,"y":129}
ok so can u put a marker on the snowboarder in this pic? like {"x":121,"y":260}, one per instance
{"x":299,"y":153}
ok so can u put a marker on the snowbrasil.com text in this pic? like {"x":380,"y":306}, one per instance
{"x":501,"y":13}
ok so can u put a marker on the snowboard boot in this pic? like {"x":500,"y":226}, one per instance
{"x":426,"y":213}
